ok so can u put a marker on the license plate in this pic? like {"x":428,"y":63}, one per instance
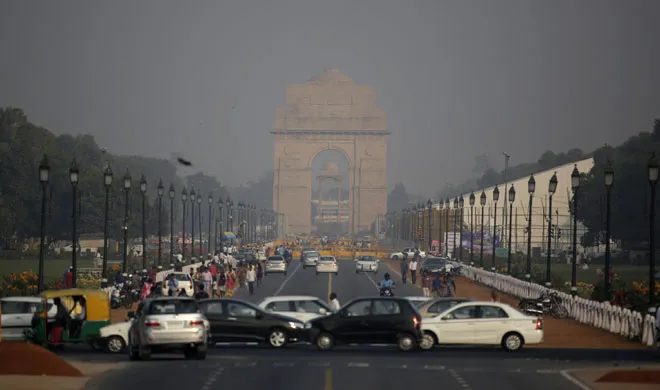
{"x":174,"y":324}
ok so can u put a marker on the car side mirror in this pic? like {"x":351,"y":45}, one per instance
{"x":323,"y":311}
{"x":130,"y":315}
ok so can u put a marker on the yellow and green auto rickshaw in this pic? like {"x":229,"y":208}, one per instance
{"x":79,"y":329}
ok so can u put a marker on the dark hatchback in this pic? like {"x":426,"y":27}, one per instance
{"x":434,"y":266}
{"x":369,"y":320}
{"x":234,"y":320}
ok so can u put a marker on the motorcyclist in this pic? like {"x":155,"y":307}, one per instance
{"x":386,"y":283}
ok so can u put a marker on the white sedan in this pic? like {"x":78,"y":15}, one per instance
{"x":327,"y":265}
{"x":16,"y":315}
{"x":409,"y":252}
{"x":301,"y":307}
{"x":482,"y":323}
{"x":185,"y":283}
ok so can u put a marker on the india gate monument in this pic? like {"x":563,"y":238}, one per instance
{"x":330,"y":112}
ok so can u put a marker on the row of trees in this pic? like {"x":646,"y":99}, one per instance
{"x":22,"y":145}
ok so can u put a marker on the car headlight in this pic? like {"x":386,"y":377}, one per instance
{"x":296,"y":325}
{"x":308,"y":325}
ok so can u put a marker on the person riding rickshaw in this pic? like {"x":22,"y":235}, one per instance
{"x":80,"y":316}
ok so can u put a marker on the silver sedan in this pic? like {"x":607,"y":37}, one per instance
{"x":327,"y":265}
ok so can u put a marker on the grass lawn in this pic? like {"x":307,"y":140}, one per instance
{"x":627,"y":273}
{"x":53,"y":268}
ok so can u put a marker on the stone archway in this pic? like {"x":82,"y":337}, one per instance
{"x":330,"y":112}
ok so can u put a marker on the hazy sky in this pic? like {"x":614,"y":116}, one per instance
{"x":456,"y":78}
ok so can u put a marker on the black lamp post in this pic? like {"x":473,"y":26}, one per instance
{"x":160,"y":191}
{"x":512,"y":198}
{"x":472,"y":201}
{"x":210,"y":219}
{"x":447,"y":207}
{"x":461,"y":203}
{"x":653,"y":181}
{"x":531,"y":188}
{"x":455,"y":222}
{"x":496,"y":197}
{"x":230,"y":218}
{"x":220,"y":229}
{"x":575,"y":186}
{"x":127,"y":190}
{"x":172,"y":194}
{"x":609,"y":181}
{"x":552,"y":187}
{"x":107,"y":182}
{"x":199,"y":217}
{"x":481,"y":251}
{"x":74,"y":174}
{"x":143,"y":190}
{"x":193,"y":197}
{"x":44,"y":177}
{"x":430,"y":214}
{"x":184,"y":202}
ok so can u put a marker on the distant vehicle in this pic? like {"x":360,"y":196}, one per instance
{"x":395,"y":320}
{"x":164,"y":324}
{"x":275,"y":265}
{"x":434,"y":266}
{"x":366,"y":264}
{"x":327,"y":264}
{"x":410,"y":252}
{"x":304,"y":252}
{"x":301,"y":307}
{"x":185,"y":283}
{"x":482,"y":323}
{"x":234,"y":320}
{"x":16,"y":315}
{"x":310,"y":259}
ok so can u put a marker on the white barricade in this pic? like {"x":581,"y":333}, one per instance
{"x":603,"y":315}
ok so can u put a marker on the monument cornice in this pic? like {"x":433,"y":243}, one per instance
{"x":332,"y":132}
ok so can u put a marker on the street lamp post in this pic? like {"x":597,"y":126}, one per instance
{"x":447,"y":207}
{"x":552,"y":187}
{"x":74,"y":174}
{"x":531,"y":187}
{"x":481,"y":251}
{"x":496,"y":197}
{"x":455,"y":222}
{"x":199,"y":217}
{"x":609,"y":181}
{"x":575,"y":186}
{"x":107,"y":182}
{"x":160,"y":191}
{"x":184,"y":202}
{"x":430,"y":214}
{"x":230,"y":219}
{"x":472,"y":201}
{"x":127,"y":190}
{"x":461,"y":203}
{"x":143,"y":190}
{"x":219,"y":231}
{"x":44,"y":177}
{"x":193,"y":197}
{"x":653,"y":181}
{"x":512,"y":198}
{"x":172,"y":194}
{"x":210,"y":219}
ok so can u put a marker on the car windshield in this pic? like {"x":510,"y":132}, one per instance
{"x":277,"y":259}
{"x":434,"y":262}
{"x":309,"y":250}
{"x":173,"y":306}
{"x":312,"y":254}
{"x":327,"y":259}
{"x":367,"y":258}
{"x":182,"y":277}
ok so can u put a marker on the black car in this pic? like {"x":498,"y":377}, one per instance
{"x":369,"y":320}
{"x":234,"y":320}
{"x":434,"y":266}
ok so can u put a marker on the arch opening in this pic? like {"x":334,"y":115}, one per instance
{"x":330,"y":207}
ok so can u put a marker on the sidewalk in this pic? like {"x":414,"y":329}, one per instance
{"x":33,"y":382}
{"x":620,"y":378}
{"x":565,"y":333}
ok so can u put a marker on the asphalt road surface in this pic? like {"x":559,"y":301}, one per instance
{"x":351,"y":367}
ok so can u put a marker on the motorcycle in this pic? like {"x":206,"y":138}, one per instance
{"x":547,"y":303}
{"x":387,"y":291}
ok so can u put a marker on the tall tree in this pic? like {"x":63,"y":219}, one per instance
{"x":398,"y":198}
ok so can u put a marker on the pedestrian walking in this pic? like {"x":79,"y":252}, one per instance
{"x":251,"y":278}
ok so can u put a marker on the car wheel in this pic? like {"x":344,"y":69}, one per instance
{"x":396,"y":258}
{"x":133,"y":353}
{"x":200,"y":352}
{"x":324,"y":341}
{"x":277,"y":338}
{"x":428,"y":341}
{"x":406,"y":342}
{"x":115,"y":344}
{"x":512,"y":341}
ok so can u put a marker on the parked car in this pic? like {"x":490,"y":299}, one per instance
{"x":234,"y":320}
{"x":369,"y":320}
{"x":418,"y":301}
{"x":434,"y":266}
{"x":301,"y":307}
{"x":434,"y":306}
{"x":185,"y":283}
{"x":165,"y":324}
{"x":410,"y":252}
{"x":482,"y":323}
{"x":275,"y":265}
{"x":16,"y":315}
{"x":366,"y":264}
{"x":327,"y":264}
{"x":310,"y":259}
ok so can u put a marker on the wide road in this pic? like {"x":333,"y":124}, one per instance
{"x":299,"y":367}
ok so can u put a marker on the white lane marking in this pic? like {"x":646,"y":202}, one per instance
{"x":374,"y":283}
{"x":547,"y":371}
{"x":212,"y":378}
{"x":358,"y":365}
{"x":459,"y":379}
{"x":283,"y":364}
{"x":318,"y":364}
{"x":437,"y":368}
{"x":279,"y":290}
{"x":567,"y":375}
{"x":245,"y":364}
{"x":230,"y":344}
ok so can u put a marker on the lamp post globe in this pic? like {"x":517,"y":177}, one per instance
{"x":193,"y":196}
{"x":496,"y":194}
{"x":44,"y":170}
{"x":609,"y":175}
{"x":143,"y":185}
{"x":653,"y":169}
{"x":512,"y":194}
{"x":531,"y":185}
{"x":107,"y":177}
{"x":172,"y":191}
{"x":184,"y":194}
{"x":461,"y":202}
{"x":575,"y":178}
{"x":127,"y":180}
{"x":552,"y":185}
{"x":429,"y":203}
{"x":74,"y":173}
{"x":472,"y":199}
{"x":483,"y":198}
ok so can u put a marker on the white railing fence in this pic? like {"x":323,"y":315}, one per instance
{"x":602,"y":315}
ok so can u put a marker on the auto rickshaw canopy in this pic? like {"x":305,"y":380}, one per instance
{"x":97,"y":302}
